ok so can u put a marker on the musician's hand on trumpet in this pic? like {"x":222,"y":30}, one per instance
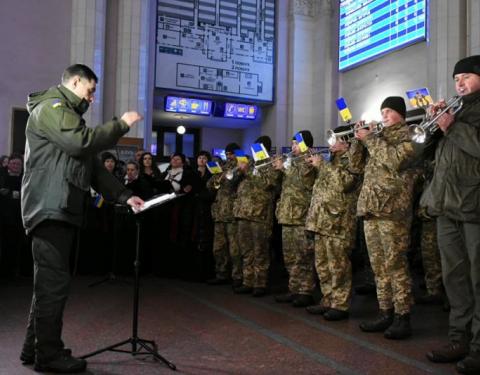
{"x":446,"y":120}
{"x":361,"y":131}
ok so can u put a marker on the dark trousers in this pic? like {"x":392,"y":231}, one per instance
{"x":52,"y":242}
{"x":459,"y":245}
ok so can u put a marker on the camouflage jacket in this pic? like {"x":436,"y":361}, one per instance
{"x":255,"y":195}
{"x":388,"y":182}
{"x":296,"y":193}
{"x":334,"y":199}
{"x":222,"y":207}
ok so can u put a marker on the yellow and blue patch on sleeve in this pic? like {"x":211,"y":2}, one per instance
{"x":57,"y":103}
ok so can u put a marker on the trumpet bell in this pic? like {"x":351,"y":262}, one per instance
{"x":417,"y":133}
{"x":331,"y":137}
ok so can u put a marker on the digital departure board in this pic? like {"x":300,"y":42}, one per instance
{"x":369,"y":28}
{"x":187,"y":105}
{"x":241,"y":111}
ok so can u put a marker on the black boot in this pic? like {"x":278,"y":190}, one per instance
{"x":285,"y":298}
{"x":383,"y":320}
{"x":303,"y":300}
{"x":335,"y":315}
{"x":243,"y":290}
{"x":400,"y":328}
{"x":65,"y":363}
{"x":470,"y":365}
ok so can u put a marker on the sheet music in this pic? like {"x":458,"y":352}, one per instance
{"x":154,"y":201}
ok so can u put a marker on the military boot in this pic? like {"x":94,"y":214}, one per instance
{"x":452,"y":352}
{"x":335,"y":315}
{"x":285,"y":298}
{"x":383,"y":320}
{"x":470,"y":365}
{"x":303,"y":300}
{"x":400,"y":328}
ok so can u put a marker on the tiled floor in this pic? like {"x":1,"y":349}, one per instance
{"x":209,"y":330}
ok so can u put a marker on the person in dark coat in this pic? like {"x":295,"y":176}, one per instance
{"x":60,"y":168}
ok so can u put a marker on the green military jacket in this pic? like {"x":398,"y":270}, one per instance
{"x":61,"y":162}
{"x":222,"y":207}
{"x":454,"y":190}
{"x":255,"y":195}
{"x":388,"y":182}
{"x":334,"y":199}
{"x":297,"y":184}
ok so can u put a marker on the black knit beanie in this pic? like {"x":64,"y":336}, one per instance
{"x":468,"y":65}
{"x":231,"y":147}
{"x":397,"y":103}
{"x":266,"y":141}
{"x":307,"y":137}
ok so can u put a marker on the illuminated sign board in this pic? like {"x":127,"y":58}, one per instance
{"x":370,"y":28}
{"x":187,"y":105}
{"x":241,"y":111}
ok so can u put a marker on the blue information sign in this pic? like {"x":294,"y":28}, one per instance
{"x":187,"y":105}
{"x":369,"y":28}
{"x":241,"y":111}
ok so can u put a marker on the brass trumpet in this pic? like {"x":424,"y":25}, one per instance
{"x":420,"y":132}
{"x":333,"y":135}
{"x":273,"y":160}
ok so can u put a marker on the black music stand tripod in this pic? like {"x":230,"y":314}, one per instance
{"x":149,"y":346}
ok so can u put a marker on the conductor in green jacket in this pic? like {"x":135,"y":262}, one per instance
{"x":60,"y":167}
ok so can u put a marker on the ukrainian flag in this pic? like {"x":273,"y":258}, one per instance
{"x":343,"y":110}
{"x":419,"y":98}
{"x":214,"y":167}
{"x":259,"y":152}
{"x":241,"y":157}
{"x":98,"y":202}
{"x":301,"y":143}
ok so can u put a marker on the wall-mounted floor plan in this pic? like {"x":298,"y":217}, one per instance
{"x":222,"y":47}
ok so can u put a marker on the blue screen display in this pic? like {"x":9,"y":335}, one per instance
{"x":187,"y":105}
{"x":369,"y":28}
{"x":241,"y":111}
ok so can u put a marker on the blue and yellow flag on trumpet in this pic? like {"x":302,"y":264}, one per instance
{"x":301,"y":143}
{"x":98,"y":202}
{"x":259,"y":152}
{"x":343,"y":109}
{"x":241,"y":157}
{"x":419,"y":98}
{"x":213,"y":167}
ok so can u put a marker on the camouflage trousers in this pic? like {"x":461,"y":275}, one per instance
{"x":387,"y":243}
{"x":226,"y":251}
{"x":334,"y":270}
{"x":255,"y":251}
{"x":299,"y":261}
{"x":431,"y":258}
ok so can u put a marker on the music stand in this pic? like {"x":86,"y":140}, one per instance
{"x":149,"y":345}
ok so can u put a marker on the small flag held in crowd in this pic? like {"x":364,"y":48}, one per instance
{"x":419,"y":98}
{"x":241,"y":157}
{"x":98,"y":202}
{"x":343,"y":110}
{"x":214,"y":167}
{"x":259,"y":152}
{"x":301,"y":143}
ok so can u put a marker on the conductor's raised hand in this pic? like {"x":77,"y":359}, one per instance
{"x":131,"y":117}
{"x":135,"y":202}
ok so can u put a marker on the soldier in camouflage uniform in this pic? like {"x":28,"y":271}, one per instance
{"x":298,"y":179}
{"x":253,"y":210}
{"x":225,"y":246}
{"x":332,"y":217}
{"x":385,"y":202}
{"x":432,"y":265}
